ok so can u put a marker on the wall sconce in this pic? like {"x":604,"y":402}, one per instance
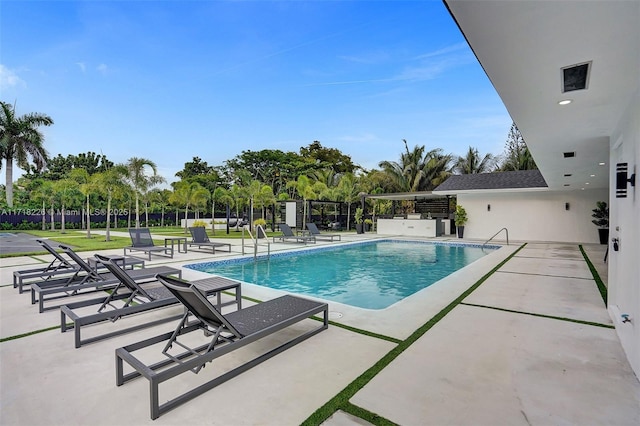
{"x":621,"y":180}
{"x":488,"y":207}
{"x":566,"y":206}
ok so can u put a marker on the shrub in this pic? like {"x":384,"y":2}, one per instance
{"x":199,"y":223}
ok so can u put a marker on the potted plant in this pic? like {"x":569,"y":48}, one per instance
{"x":368,"y":223}
{"x":260,"y":232}
{"x":601,"y":220}
{"x":359,"y":219}
{"x":460,"y":220}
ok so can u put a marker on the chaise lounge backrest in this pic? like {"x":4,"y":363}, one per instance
{"x":140,"y":237}
{"x":199,"y":234}
{"x":55,"y":254}
{"x":313,"y":229}
{"x":197,"y":303}
{"x":286,"y":230}
{"x":126,"y":280}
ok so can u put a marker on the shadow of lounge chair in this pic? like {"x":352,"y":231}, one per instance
{"x":288,"y":235}
{"x":141,"y":240}
{"x":313,"y":230}
{"x":200,"y":238}
{"x":58,"y":266}
{"x":229,"y":332}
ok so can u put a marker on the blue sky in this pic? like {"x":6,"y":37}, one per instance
{"x":170,"y":80}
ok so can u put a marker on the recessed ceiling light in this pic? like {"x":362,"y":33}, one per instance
{"x":592,"y":175}
{"x":601,"y":164}
{"x":565,"y":102}
{"x":586,"y":183}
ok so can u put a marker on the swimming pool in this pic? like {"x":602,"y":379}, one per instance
{"x":371,"y":275}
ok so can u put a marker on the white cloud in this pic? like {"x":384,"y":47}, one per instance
{"x":102,"y":68}
{"x":82,"y":66}
{"x":8,"y":78}
{"x":444,"y":50}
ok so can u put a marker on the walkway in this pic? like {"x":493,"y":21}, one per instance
{"x":532,"y":344}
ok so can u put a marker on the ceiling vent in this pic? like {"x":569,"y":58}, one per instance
{"x":576,"y":77}
{"x":569,"y":154}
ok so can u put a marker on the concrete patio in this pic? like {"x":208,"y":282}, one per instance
{"x":533,"y":344}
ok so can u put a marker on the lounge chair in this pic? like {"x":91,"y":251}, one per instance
{"x":229,"y":332}
{"x":288,"y":235}
{"x":313,"y":230}
{"x":134,"y":298}
{"x":141,"y":240}
{"x":58,"y":266}
{"x":86,"y":280}
{"x":200,"y":238}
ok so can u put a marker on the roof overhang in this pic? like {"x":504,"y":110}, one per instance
{"x":523,"y":47}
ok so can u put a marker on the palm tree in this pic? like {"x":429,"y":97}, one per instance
{"x":139,"y":181}
{"x":189,"y":194}
{"x":307,"y":190}
{"x":68,"y":193}
{"x":409,"y":172}
{"x":472,"y":162}
{"x":110,"y":182}
{"x":19,"y":140}
{"x":87,"y":186}
{"x":437,"y":168}
{"x":43,"y":193}
{"x":349,"y":193}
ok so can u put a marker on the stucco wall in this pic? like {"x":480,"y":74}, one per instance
{"x":624,"y":265}
{"x":533,"y":216}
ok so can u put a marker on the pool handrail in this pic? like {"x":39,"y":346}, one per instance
{"x":494,"y":235}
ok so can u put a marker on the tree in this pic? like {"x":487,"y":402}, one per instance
{"x":111,"y":182}
{"x":139,"y":181}
{"x":189,"y":194}
{"x":20,"y":139}
{"x":330,"y":158}
{"x":44,"y":194}
{"x":58,"y":167}
{"x":349,"y":193}
{"x":517,"y":155}
{"x":437,"y":168}
{"x":87,"y":185}
{"x":307,"y":190}
{"x":68,"y":193}
{"x":472,"y":163}
{"x":409,"y":172}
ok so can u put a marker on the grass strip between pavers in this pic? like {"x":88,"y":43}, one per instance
{"x":596,"y":276}
{"x":367,"y":415}
{"x":341,"y":400}
{"x":31,"y":333}
{"x":577,"y":321}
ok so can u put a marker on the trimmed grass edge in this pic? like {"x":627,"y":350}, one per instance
{"x":341,"y":400}
{"x":601,"y":287}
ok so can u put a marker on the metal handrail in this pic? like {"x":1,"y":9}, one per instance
{"x":255,"y":240}
{"x":494,"y":235}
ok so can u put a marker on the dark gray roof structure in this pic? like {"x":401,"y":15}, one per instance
{"x":519,"y":179}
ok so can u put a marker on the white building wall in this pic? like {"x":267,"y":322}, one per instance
{"x":624,"y":265}
{"x":533,"y":216}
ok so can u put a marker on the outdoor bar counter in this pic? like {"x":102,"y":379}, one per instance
{"x":409,"y":227}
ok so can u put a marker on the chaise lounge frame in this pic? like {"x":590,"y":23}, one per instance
{"x":288,"y":235}
{"x":141,"y":240}
{"x":58,"y":266}
{"x":228,"y":335}
{"x":92,"y":282}
{"x":200,"y":238}
{"x":313,"y":230}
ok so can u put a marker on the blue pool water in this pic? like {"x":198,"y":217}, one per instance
{"x":371,"y":275}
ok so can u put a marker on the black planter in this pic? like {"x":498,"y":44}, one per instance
{"x":603,"y":233}
{"x":360,"y":228}
{"x":460,"y":231}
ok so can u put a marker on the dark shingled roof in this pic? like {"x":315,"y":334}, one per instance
{"x":498,"y":180}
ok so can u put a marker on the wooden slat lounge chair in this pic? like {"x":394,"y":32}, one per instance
{"x":313,"y":230}
{"x":288,"y":235}
{"x":229,"y":332}
{"x":200,"y":238}
{"x":141,"y":240}
{"x":59,"y":266}
{"x":86,"y":280}
{"x":134,"y":298}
